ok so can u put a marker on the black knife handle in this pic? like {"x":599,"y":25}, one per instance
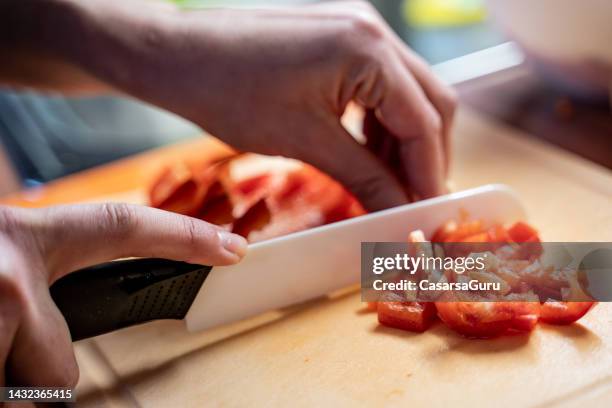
{"x":117,"y":294}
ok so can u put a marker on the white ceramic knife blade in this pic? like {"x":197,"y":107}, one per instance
{"x":312,"y":263}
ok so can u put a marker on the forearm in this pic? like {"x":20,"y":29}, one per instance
{"x":29,"y":31}
{"x":73,"y":45}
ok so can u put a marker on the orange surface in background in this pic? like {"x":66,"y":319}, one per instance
{"x":131,"y":173}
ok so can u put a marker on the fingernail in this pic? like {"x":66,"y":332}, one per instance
{"x":233,"y":243}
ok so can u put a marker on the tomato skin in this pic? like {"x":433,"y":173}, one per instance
{"x":488,"y":319}
{"x":563,"y":313}
{"x":372,"y":306}
{"x":464,"y":230}
{"x":256,"y":218}
{"x":444,"y":231}
{"x":167,"y":183}
{"x":258,"y":207}
{"x":523,"y":232}
{"x":410,"y":316}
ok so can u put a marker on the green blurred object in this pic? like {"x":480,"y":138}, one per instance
{"x":443,"y":13}
{"x":186,"y":3}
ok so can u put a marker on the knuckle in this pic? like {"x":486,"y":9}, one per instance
{"x":365,"y":25}
{"x":198,"y":236}
{"x":429,"y":125}
{"x":362,"y":5}
{"x":448,"y":101}
{"x":119,"y":217}
{"x":363,"y":35}
{"x":371,"y":82}
{"x":198,"y":232}
{"x":12,"y":280}
{"x":190,"y":230}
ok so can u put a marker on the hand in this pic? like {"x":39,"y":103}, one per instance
{"x":37,"y":247}
{"x":277,"y":81}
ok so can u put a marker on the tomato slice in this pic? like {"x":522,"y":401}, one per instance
{"x":498,"y":234}
{"x":562,"y":313}
{"x":271,"y":203}
{"x":464,"y":230}
{"x":487,"y":319}
{"x":166,"y":184}
{"x":256,"y":218}
{"x":444,"y":231}
{"x":305,"y":198}
{"x":183,"y":191}
{"x":523,"y":232}
{"x":394,"y":312}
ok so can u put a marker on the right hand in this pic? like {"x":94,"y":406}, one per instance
{"x":276,"y":81}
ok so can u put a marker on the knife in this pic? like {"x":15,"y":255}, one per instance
{"x":274,"y":273}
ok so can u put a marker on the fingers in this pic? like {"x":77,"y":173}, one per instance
{"x":10,"y":306}
{"x":441,"y":96}
{"x":35,"y":346}
{"x":42,"y":352}
{"x":356,"y":168}
{"x":407,"y":113}
{"x":81,"y":235}
{"x":384,"y":145}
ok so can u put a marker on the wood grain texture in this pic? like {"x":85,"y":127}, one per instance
{"x":330,"y":352}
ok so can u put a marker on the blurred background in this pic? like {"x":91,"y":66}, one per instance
{"x":44,"y":137}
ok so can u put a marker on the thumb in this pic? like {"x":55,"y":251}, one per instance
{"x":76,"y":236}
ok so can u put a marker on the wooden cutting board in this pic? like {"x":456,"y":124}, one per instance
{"x":331,"y":352}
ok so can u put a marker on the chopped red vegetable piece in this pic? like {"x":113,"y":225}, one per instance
{"x":563,"y":313}
{"x":393,"y":311}
{"x":523,"y":232}
{"x":256,"y":217}
{"x":488,"y":319}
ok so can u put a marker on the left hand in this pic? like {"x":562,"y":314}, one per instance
{"x":37,"y":247}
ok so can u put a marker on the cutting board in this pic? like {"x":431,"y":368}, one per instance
{"x":332,"y":352}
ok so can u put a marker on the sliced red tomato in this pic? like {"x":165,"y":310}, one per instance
{"x":488,"y":319}
{"x":272,"y":204}
{"x":306,"y":198}
{"x":394,"y":312}
{"x":216,"y":206}
{"x":475,"y":231}
{"x":523,"y":232}
{"x":478,"y":238}
{"x":168,"y":181}
{"x":181,"y":190}
{"x":498,"y":234}
{"x":308,"y":188}
{"x":444,"y":231}
{"x":562,"y":313}
{"x":465,"y":230}
{"x":256,"y":218}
